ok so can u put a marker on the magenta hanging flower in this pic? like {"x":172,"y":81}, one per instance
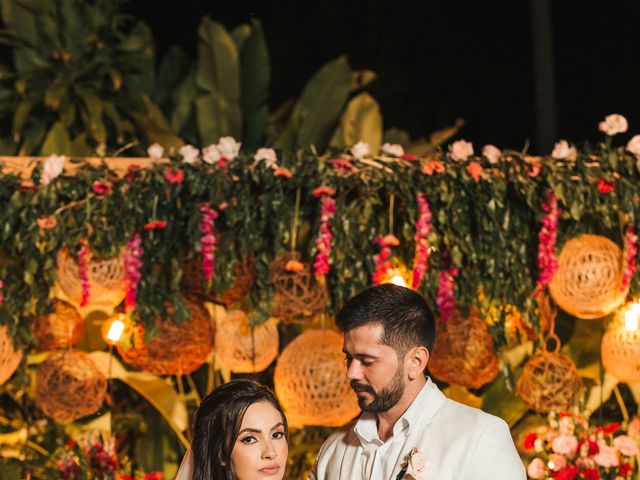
{"x":630,"y":254}
{"x":208,"y":239}
{"x":1,"y":293}
{"x":381,"y":260}
{"x":547,"y":237}
{"x":421,"y":238}
{"x":446,"y":299}
{"x":132,"y":266}
{"x":325,"y":236}
{"x":83,"y":273}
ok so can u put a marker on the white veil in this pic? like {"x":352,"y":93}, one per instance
{"x":185,"y":472}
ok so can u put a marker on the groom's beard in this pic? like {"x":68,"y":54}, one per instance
{"x":385,"y":399}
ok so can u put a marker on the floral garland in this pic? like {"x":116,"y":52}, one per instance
{"x":83,"y":273}
{"x":132,"y":266}
{"x":547,"y":237}
{"x":446,"y":299}
{"x":381,"y":260}
{"x":325,"y":235}
{"x":1,"y":294}
{"x":208,"y":240}
{"x":630,"y":253}
{"x":421,"y":238}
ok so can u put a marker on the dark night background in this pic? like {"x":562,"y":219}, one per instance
{"x":437,"y":60}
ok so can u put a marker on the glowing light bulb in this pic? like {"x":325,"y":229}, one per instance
{"x":398,"y":280}
{"x":551,"y":465}
{"x":113,"y":328}
{"x":631,"y":318}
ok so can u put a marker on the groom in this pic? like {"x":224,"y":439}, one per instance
{"x":408,"y":428}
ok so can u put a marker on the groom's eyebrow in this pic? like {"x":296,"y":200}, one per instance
{"x":359,"y":356}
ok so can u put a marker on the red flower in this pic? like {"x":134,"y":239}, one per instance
{"x":320,"y":191}
{"x":46,"y":223}
{"x":155,"y":225}
{"x":590,"y":474}
{"x":593,"y":446}
{"x":529,"y":441}
{"x":101,"y":187}
{"x":282,"y":172}
{"x":131,"y":170}
{"x":173,"y":175}
{"x":27,"y":185}
{"x":568,"y":473}
{"x":624,"y":469}
{"x":153,"y":476}
{"x":606,"y":186}
{"x":475,"y":170}
{"x":408,"y":157}
{"x":608,"y":429}
{"x":341,"y":165}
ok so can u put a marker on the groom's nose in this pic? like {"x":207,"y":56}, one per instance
{"x":354,"y":371}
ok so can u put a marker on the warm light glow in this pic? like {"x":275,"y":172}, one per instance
{"x":631,"y":317}
{"x":550,"y":464}
{"x":113,"y":328}
{"x":398,"y":280}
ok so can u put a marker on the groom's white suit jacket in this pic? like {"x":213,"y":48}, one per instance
{"x":457,"y":441}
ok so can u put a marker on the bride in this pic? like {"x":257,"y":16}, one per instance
{"x":239,"y":433}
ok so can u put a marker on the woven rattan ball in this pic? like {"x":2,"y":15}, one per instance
{"x":106,"y":279}
{"x":298,"y":296}
{"x":62,"y":328}
{"x":244,"y":273}
{"x":588,"y":282}
{"x":9,"y":356}
{"x":243,"y":349}
{"x":463,"y":353}
{"x":621,"y":353}
{"x":193,"y":278}
{"x":311,"y":383}
{"x":176,"y":349}
{"x":69,"y":386}
{"x":549,"y":381}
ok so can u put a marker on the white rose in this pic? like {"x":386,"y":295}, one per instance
{"x":613,"y":124}
{"x":53,"y":167}
{"x":268,"y":155}
{"x":562,"y":151}
{"x":634,"y":145}
{"x":228,"y":147}
{"x":393,"y":149}
{"x":492,"y":153}
{"x":155,"y":151}
{"x":211,"y":154}
{"x":460,"y":150}
{"x":189,"y":153}
{"x":360,"y":150}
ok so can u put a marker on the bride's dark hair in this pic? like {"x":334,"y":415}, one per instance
{"x":216,"y":425}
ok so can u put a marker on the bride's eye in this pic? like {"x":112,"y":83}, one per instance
{"x":248,"y":440}
{"x":278,"y":435}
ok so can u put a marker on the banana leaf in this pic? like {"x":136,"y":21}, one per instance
{"x":361,"y":121}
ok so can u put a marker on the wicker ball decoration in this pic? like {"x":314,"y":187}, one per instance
{"x":549,"y":380}
{"x":177,"y":349}
{"x":69,"y":386}
{"x":620,"y":351}
{"x":244,"y":350}
{"x":244,"y":273}
{"x":9,"y":357}
{"x":298,"y":296}
{"x":463,"y":353}
{"x":62,"y":328}
{"x":311,"y":383}
{"x":106,"y":278}
{"x":588,"y":282}
{"x":193,"y":278}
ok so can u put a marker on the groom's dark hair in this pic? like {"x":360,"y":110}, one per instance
{"x":404,"y":315}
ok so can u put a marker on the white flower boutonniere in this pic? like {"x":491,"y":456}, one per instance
{"x":414,"y":466}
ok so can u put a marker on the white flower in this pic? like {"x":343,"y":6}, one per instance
{"x":268,"y":155}
{"x":53,"y":167}
{"x":360,"y":150}
{"x":613,"y":124}
{"x":228,"y":147}
{"x":189,"y":153}
{"x":562,"y":151}
{"x":155,"y":151}
{"x":211,"y":154}
{"x":416,"y":466}
{"x":634,"y":145}
{"x":460,"y":150}
{"x":393,"y":149}
{"x":492,"y":153}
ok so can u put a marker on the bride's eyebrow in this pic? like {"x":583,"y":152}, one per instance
{"x":251,"y":430}
{"x":279,"y":424}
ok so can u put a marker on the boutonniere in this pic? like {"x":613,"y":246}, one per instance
{"x":414,"y":466}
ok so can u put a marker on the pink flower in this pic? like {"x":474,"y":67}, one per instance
{"x":132,"y":265}
{"x":174,"y":175}
{"x":562,"y":151}
{"x":228,"y":147}
{"x":360,"y":150}
{"x":417,"y":465}
{"x":557,"y":462}
{"x":431,"y":166}
{"x":633,"y":145}
{"x":1,"y":294}
{"x":421,"y":239}
{"x":630,"y":253}
{"x":492,"y":153}
{"x":626,"y":445}
{"x":634,"y":427}
{"x":392,"y":149}
{"x":46,"y":223}
{"x":445,"y":299}
{"x":607,"y":456}
{"x":189,"y":153}
{"x":53,"y":166}
{"x":268,"y":155}
{"x":83,"y":273}
{"x":325,"y":236}
{"x":547,"y":237}
{"x":536,"y":469}
{"x":342,"y":165}
{"x":613,"y":124}
{"x":475,"y":170}
{"x":211,"y":155}
{"x":565,"y":445}
{"x":460,"y":150}
{"x":391,"y":240}
{"x":208,"y":240}
{"x":102,"y":187}
{"x":155,"y":151}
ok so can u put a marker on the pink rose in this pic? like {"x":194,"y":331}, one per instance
{"x":361,"y":150}
{"x":626,"y":445}
{"x":492,"y":153}
{"x":607,"y":456}
{"x":634,"y":427}
{"x":565,"y":445}
{"x":155,"y":151}
{"x":460,"y":150}
{"x":551,"y":435}
{"x":634,"y":145}
{"x":613,"y":124}
{"x":557,"y":462}
{"x":536,"y":469}
{"x":562,"y":151}
{"x":565,"y":426}
{"x":417,"y":466}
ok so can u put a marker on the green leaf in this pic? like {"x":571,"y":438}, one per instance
{"x":215,"y":120}
{"x":240,"y":35}
{"x":184,"y":100}
{"x":19,"y":118}
{"x":57,"y":141}
{"x":361,"y":121}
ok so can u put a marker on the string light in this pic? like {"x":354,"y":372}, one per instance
{"x":398,"y":280}
{"x":631,"y":317}
{"x":113,"y":328}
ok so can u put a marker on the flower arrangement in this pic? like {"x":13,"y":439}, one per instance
{"x":132,"y":265}
{"x":421,"y":239}
{"x":83,"y":272}
{"x":208,"y":240}
{"x":630,"y":253}
{"x":570,"y":448}
{"x":446,"y":299}
{"x":547,"y":237}
{"x":325,"y":235}
{"x":382,"y":261}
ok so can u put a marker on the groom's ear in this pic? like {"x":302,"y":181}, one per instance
{"x":416,"y":362}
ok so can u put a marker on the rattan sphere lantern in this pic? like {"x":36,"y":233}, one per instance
{"x":106,"y":279}
{"x":243,"y":276}
{"x":69,"y":386}
{"x":588,"y":282}
{"x":244,"y":349}
{"x":176,"y":349}
{"x":311,"y":383}
{"x":463,"y":353}
{"x":620,"y":351}
{"x":298,"y":297}
{"x":9,"y":357}
{"x":62,"y":328}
